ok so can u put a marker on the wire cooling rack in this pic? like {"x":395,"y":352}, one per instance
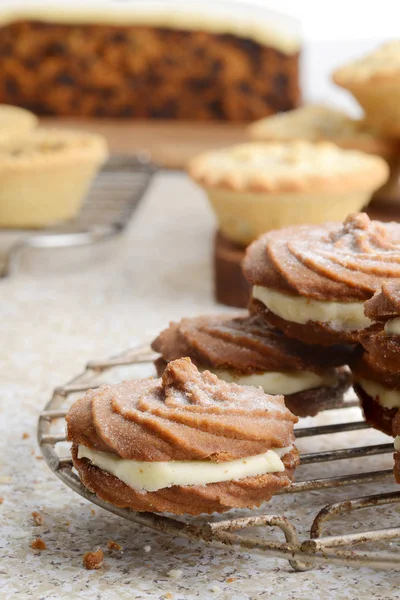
{"x":302,"y":552}
{"x":113,"y":197}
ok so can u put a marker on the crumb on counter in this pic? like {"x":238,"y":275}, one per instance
{"x":38,"y":544}
{"x":25,"y":435}
{"x":93,"y":512}
{"x":39,"y":457}
{"x":174,"y":573}
{"x":168,"y":596}
{"x":1,"y":499}
{"x":113,"y":546}
{"x":215,"y":589}
{"x":147,"y":548}
{"x":231,"y":579}
{"x":37,"y":518}
{"x":93,"y":560}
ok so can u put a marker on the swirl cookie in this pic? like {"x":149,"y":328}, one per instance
{"x":254,"y":188}
{"x":377,"y":370}
{"x":312,"y":282}
{"x":187,"y":443}
{"x":374,"y":81}
{"x":247,"y":351}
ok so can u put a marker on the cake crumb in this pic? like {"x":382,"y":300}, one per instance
{"x":39,"y":457}
{"x":25,"y":435}
{"x":174,"y":573}
{"x":147,"y":548}
{"x":38,"y":544}
{"x":231,"y":579}
{"x":93,"y":511}
{"x":37,"y":518}
{"x":168,"y":595}
{"x":113,"y":546}
{"x":1,"y":499}
{"x":93,"y":560}
{"x":215,"y":589}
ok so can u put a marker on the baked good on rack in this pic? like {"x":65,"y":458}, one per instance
{"x":311,"y":282}
{"x":374,"y":80}
{"x":257,"y":187}
{"x":247,"y":351}
{"x":377,"y":369}
{"x":175,"y":62}
{"x":45,"y":176}
{"x":187,"y":443}
{"x":15,"y":123}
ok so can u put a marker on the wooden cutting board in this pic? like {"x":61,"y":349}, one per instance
{"x":170,"y":143}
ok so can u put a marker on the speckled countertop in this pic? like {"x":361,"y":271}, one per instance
{"x":57,"y":312}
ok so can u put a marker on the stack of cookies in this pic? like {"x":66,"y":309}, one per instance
{"x":377,"y":367}
{"x":216,"y":430}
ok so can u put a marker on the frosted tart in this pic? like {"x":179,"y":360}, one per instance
{"x":311,"y":282}
{"x":247,"y":351}
{"x":188,"y":443}
{"x":15,"y":123}
{"x":374,"y":81}
{"x":377,"y":369}
{"x":257,"y":187}
{"x":45,"y":176}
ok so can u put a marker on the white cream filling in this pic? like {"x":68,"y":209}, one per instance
{"x":397,"y":443}
{"x":275,"y":382}
{"x":347,"y":316}
{"x":152,"y":476}
{"x":382,"y":395}
{"x":393,"y":326}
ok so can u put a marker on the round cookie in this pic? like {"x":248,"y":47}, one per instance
{"x":188,"y":443}
{"x":247,"y":351}
{"x":377,"y":370}
{"x":311,"y":282}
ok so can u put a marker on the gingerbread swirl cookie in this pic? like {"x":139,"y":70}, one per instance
{"x":188,"y":443}
{"x":248,"y":351}
{"x":312,"y":282}
{"x":377,"y":368}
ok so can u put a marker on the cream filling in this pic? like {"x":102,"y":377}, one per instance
{"x":393,"y":326}
{"x":262,"y":26}
{"x":397,"y":443}
{"x":275,"y":382}
{"x":152,"y":476}
{"x":346,"y":316}
{"x":382,"y":395}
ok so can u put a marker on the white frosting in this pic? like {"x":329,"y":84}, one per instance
{"x":261,"y":25}
{"x":275,"y":382}
{"x":347,"y":316}
{"x":397,"y":443}
{"x":384,"y":396}
{"x":153,"y":476}
{"x":393,"y":326}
